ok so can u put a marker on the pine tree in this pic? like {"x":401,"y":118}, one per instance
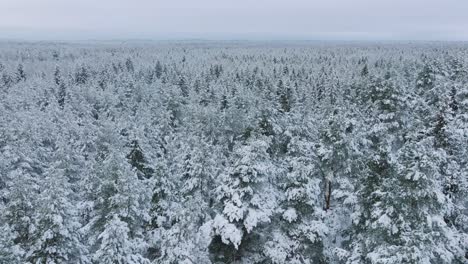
{"x":20,"y":208}
{"x":122,"y":196}
{"x":247,"y":202}
{"x":298,"y":234}
{"x":116,"y":247}
{"x":382,"y":139}
{"x":456,"y":168}
{"x":158,"y":70}
{"x":62,"y":93}
{"x":182,"y":83}
{"x":138,"y":161}
{"x":57,"y":76}
{"x":425,"y":79}
{"x":129,"y":65}
{"x":186,"y":238}
{"x":333,"y":153}
{"x":81,"y":75}
{"x":364,"y":71}
{"x":285,"y":99}
{"x":9,"y":252}
{"x":20,"y":74}
{"x":406,"y":223}
{"x":56,"y":237}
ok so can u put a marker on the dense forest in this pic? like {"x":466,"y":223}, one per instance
{"x":233,"y":152}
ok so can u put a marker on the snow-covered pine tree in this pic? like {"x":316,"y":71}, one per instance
{"x":456,"y":169}
{"x":297,"y":234}
{"x":118,"y":194}
{"x":116,"y":247}
{"x":187,"y":237}
{"x":339,"y":160}
{"x":56,"y":237}
{"x":17,"y":215}
{"x":247,"y":203}
{"x":406,"y":223}
{"x":384,"y":119}
{"x":9,"y":252}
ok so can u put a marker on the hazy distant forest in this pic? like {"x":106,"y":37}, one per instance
{"x":233,"y":152}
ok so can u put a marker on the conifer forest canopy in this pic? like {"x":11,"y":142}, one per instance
{"x":198,"y":152}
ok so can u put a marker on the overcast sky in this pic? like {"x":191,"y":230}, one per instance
{"x":235,"y":19}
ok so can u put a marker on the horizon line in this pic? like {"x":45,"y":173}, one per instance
{"x":226,"y":39}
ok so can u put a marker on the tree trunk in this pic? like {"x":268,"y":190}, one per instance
{"x":328,"y":190}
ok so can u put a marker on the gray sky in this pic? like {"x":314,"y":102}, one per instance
{"x":235,"y":19}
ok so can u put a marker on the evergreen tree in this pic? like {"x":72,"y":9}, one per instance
{"x":187,"y":238}
{"x":56,"y":237}
{"x":382,"y":140}
{"x":122,"y":196}
{"x":116,"y":246}
{"x":137,"y":159}
{"x":298,"y":234}
{"x":158,"y":70}
{"x":246,"y":203}
{"x":19,"y":211}
{"x":9,"y":252}
{"x":20,"y":74}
